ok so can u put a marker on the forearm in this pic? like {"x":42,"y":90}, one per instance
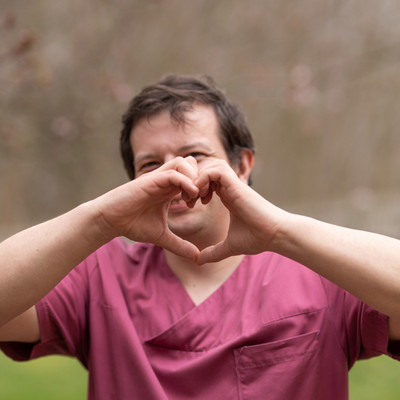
{"x":365,"y":264}
{"x":33,"y":261}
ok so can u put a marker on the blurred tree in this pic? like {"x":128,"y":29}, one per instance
{"x":317,"y":80}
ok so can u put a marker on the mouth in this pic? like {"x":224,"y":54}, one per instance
{"x":177,"y":201}
{"x":177,"y":205}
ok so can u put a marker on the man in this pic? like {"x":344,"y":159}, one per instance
{"x":211,"y":302}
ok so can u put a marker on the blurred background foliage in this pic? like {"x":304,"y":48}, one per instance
{"x":318,"y":80}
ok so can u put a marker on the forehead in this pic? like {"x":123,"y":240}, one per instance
{"x":201,"y":125}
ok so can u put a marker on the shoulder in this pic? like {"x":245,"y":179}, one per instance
{"x":114,"y":257}
{"x":286,"y":278}
{"x":280,"y":266}
{"x":121,"y":249}
{"x":295,"y":281}
{"x":113,"y":267}
{"x":121,"y":255}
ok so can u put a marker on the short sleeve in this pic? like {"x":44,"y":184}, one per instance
{"x":62,"y":320}
{"x":362,"y":331}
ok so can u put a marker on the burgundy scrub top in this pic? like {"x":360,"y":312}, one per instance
{"x":273,"y":330}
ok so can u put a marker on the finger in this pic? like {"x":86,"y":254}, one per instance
{"x":174,"y":178}
{"x":214,"y":253}
{"x":207,"y":177}
{"x":219,"y":172}
{"x":206,"y":186}
{"x":186,"y":166}
{"x":204,"y":191}
{"x":191,"y":203}
{"x":207,"y":198}
{"x":189,"y":199}
{"x":192,"y":161}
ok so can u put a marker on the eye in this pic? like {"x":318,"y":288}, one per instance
{"x":149,"y":166}
{"x":197,"y":155}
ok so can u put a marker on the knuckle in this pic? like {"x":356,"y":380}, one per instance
{"x":179,"y":162}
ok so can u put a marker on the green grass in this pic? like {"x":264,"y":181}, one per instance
{"x":377,"y":378}
{"x":53,"y":377}
{"x":63,"y":378}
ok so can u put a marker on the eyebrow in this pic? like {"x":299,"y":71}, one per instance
{"x":194,"y":145}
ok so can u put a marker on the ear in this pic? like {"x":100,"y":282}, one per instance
{"x":243,"y":170}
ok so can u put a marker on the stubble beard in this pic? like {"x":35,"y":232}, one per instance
{"x":201,"y":228}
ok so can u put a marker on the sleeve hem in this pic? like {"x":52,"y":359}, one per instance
{"x":20,"y":351}
{"x":379,"y":343}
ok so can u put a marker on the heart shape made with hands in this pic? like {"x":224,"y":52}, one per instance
{"x":214,"y":251}
{"x":215,"y":177}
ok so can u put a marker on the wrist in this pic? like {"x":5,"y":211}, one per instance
{"x":287,"y":229}
{"x":95,"y":227}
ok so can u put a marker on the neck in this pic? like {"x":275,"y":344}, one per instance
{"x":200,"y":281}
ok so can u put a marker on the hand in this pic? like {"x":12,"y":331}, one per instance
{"x":139,"y":209}
{"x":254,"y":221}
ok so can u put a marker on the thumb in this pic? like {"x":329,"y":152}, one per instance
{"x":180,"y":247}
{"x":214,"y":253}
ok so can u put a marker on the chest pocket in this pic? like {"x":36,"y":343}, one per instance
{"x":284,"y":369}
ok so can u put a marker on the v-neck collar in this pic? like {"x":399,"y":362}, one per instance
{"x":165,"y":315}
{"x":183,"y":290}
{"x":193,"y":330}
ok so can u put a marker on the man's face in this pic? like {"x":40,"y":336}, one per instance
{"x":158,"y":140}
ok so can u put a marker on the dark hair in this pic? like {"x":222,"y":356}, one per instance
{"x":178,"y":94}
